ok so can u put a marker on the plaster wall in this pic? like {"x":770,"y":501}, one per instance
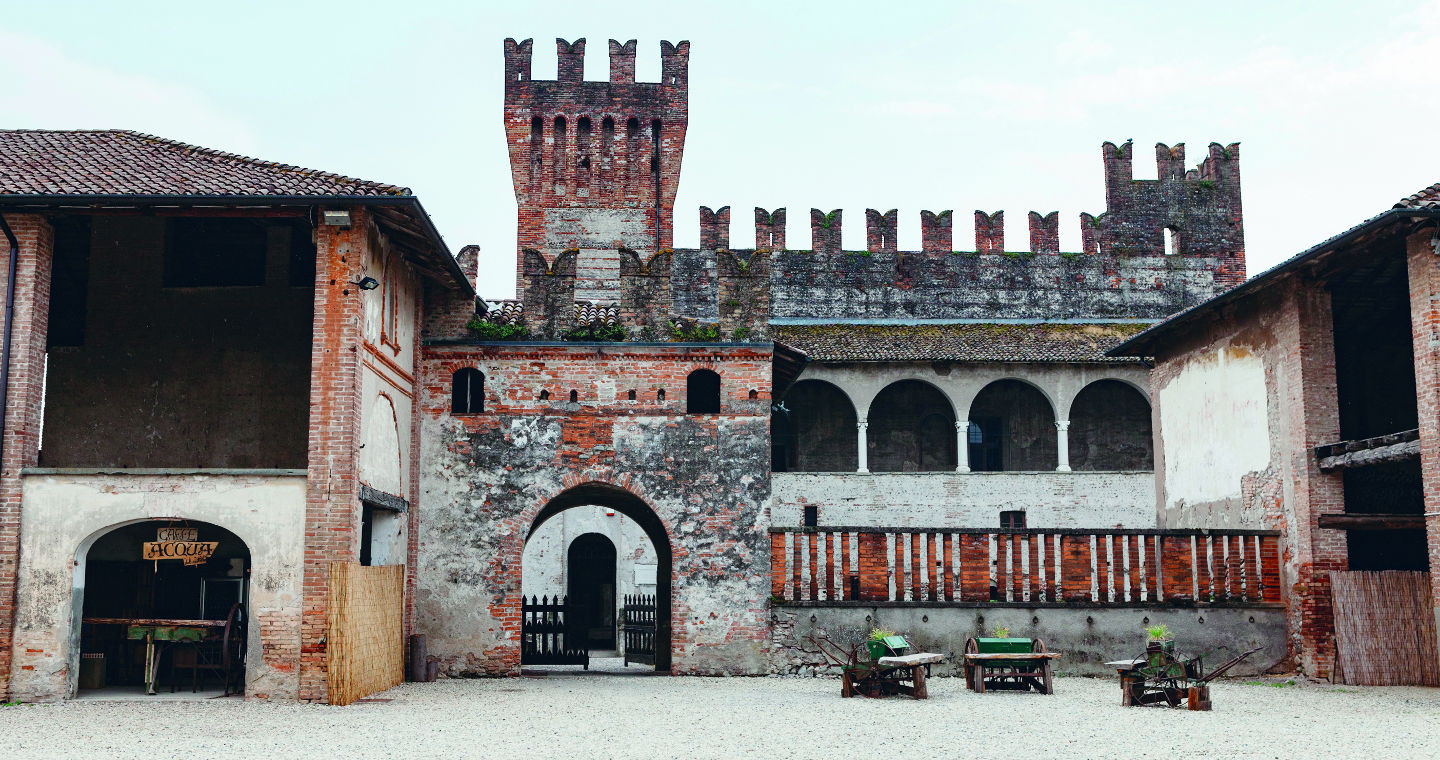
{"x":65,"y":512}
{"x":969,"y":500}
{"x":1088,"y":637}
{"x":1214,"y":426}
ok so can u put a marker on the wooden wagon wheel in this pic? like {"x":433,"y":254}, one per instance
{"x":1047,"y":678}
{"x":972,"y":669}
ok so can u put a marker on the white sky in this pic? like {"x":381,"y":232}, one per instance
{"x":831,"y":105}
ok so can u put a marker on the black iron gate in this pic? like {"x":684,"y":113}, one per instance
{"x":637,"y":621}
{"x":545,"y":634}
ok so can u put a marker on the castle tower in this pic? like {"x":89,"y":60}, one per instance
{"x":596,"y":165}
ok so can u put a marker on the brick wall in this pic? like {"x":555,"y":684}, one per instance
{"x":1424,"y":275}
{"x":23,"y":404}
{"x":332,"y":510}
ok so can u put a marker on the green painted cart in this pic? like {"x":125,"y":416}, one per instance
{"x":1010,"y":664}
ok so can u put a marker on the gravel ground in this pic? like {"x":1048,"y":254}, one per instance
{"x":555,"y":715}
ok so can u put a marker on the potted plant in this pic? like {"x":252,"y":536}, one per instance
{"x":1158,"y":639}
{"x":883,"y":642}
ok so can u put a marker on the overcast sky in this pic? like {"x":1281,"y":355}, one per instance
{"x":832,"y":105}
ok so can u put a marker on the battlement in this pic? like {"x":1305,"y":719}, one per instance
{"x":674,"y":62}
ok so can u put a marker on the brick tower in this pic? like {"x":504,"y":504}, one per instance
{"x":596,"y":164}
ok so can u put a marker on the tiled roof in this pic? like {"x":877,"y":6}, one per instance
{"x":506,"y":312}
{"x":587,"y":313}
{"x":1427,"y":198}
{"x":121,"y":162}
{"x":989,"y":342}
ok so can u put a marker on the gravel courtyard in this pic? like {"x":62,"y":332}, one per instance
{"x":558,"y":715}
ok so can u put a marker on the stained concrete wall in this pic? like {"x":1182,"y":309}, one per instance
{"x":1088,"y":638}
{"x":65,"y":512}
{"x":968,"y":499}
{"x":180,"y":376}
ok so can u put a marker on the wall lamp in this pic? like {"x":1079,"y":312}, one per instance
{"x":337,"y":218}
{"x":367,"y":283}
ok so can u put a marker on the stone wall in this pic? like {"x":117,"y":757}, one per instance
{"x":969,"y":500}
{"x":1088,"y":638}
{"x":701,"y":478}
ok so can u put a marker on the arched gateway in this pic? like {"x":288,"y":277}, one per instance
{"x":640,"y":622}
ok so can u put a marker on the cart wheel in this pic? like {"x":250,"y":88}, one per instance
{"x":1037,"y":645}
{"x":971,"y":647}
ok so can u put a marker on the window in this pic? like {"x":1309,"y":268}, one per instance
{"x":630,"y":395}
{"x":1012,"y":519}
{"x":214,"y":253}
{"x":702,"y":392}
{"x":467,"y":396}
{"x":574,"y":397}
{"x":544,"y":395}
{"x":660,"y":395}
{"x":812,"y":515}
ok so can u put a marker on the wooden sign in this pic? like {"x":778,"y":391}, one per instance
{"x":177,"y":534}
{"x":190,"y":552}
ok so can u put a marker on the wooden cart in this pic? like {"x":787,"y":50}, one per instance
{"x":1008,"y":665}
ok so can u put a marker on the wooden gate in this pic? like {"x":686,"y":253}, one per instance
{"x":637,"y":620}
{"x":1384,"y":628}
{"x":546,"y":636}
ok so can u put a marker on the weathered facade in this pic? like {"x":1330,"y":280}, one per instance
{"x":1299,"y":402}
{"x":214,"y":343}
{"x":881,"y":387}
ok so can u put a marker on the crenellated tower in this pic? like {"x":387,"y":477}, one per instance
{"x":596,"y":165}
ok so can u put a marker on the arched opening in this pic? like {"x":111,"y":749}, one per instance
{"x":467,"y":391}
{"x":912,"y":429}
{"x":1110,"y":428}
{"x":702,"y":392}
{"x":642,"y":568}
{"x":163,"y":606}
{"x":1012,"y":428}
{"x":590,"y":587}
{"x":813,"y":430}
{"x":558,"y":160}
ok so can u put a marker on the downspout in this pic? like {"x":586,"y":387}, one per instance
{"x":9,"y":320}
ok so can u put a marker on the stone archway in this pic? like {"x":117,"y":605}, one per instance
{"x":635,"y":508}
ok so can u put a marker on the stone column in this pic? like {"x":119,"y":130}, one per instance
{"x":962,"y":445}
{"x":1062,"y":444}
{"x":860,"y":432}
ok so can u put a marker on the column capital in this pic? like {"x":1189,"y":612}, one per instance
{"x":963,"y":425}
{"x":862,"y":424}
{"x":1062,"y":425}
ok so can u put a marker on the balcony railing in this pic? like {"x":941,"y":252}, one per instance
{"x":867,"y":566}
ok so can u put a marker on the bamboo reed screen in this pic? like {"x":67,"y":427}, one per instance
{"x":365,"y":646}
{"x":1385,"y":628}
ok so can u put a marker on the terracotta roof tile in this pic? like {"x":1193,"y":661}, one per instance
{"x":989,"y":342}
{"x":1427,"y":198}
{"x":121,"y":162}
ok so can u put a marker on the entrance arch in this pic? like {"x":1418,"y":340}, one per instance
{"x":635,"y":508}
{"x":117,"y":591}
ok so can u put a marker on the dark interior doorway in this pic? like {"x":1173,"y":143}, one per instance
{"x":194,"y":614}
{"x":590,"y":588}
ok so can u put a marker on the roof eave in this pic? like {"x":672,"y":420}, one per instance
{"x":410,"y":203}
{"x":1140,"y":344}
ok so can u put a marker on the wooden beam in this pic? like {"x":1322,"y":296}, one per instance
{"x":1373,"y":522}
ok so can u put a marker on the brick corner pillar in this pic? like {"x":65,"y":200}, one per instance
{"x":23,"y":402}
{"x":1312,"y":405}
{"x":332,"y":507}
{"x":1423,"y":267}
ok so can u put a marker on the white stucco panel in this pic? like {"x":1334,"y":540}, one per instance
{"x":1214,"y":426}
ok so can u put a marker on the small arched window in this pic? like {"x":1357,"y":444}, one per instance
{"x":574,"y":396}
{"x":631,"y":395}
{"x":702,"y":392}
{"x":544,"y":395}
{"x":467,"y":394}
{"x":660,"y":395}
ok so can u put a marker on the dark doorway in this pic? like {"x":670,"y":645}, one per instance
{"x":590,"y":588}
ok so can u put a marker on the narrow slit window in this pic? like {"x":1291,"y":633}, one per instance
{"x":574,"y":396}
